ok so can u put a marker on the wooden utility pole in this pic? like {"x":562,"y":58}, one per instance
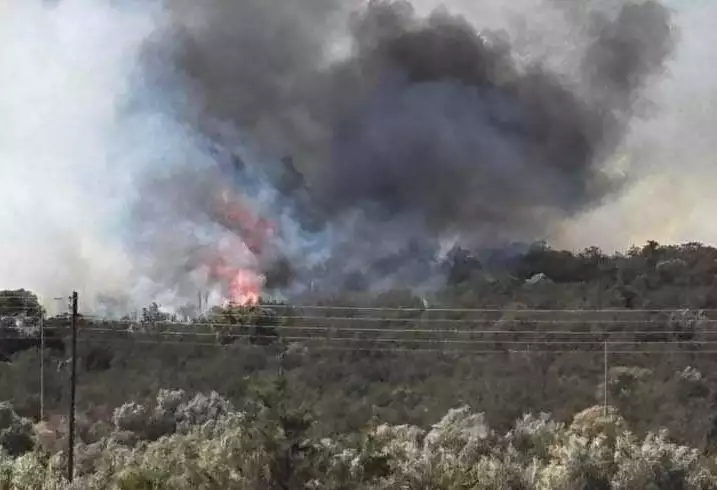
{"x":73,"y":389}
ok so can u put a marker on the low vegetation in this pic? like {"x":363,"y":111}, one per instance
{"x":329,"y":396}
{"x":188,"y":442}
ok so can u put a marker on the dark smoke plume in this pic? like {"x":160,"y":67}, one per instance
{"x":426,"y":130}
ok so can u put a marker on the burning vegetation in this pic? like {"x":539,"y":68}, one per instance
{"x":427,"y":133}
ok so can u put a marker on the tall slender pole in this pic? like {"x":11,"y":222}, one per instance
{"x":605,"y":380}
{"x":73,"y":386}
{"x":42,"y":366}
{"x":605,"y":360}
{"x":280,"y":361}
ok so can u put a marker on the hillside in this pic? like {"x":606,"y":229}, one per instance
{"x":506,"y":337}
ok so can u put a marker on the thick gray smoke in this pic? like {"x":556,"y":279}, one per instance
{"x":448,"y":128}
{"x":422,"y":130}
{"x":145,"y":145}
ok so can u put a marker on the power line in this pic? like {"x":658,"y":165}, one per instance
{"x":409,"y":319}
{"x":416,"y":350}
{"x":485,"y":309}
{"x":600,"y":342}
{"x":110,"y":339}
{"x":295,"y":319}
{"x":328,"y":330}
{"x":216,"y":328}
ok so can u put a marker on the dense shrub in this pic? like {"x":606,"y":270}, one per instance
{"x":173,"y":412}
{"x":16,"y":433}
{"x":220,"y":448}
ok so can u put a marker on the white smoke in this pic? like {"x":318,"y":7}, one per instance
{"x":64,"y":72}
{"x":672,"y":156}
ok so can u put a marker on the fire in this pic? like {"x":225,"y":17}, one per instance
{"x":244,"y":285}
{"x":245,"y":288}
{"x":251,"y":233}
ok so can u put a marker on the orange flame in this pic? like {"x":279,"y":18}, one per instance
{"x":245,"y":288}
{"x":244,"y":284}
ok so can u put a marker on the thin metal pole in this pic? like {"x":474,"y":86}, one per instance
{"x":605,"y":360}
{"x":73,"y":387}
{"x":42,"y":361}
{"x":42,"y":366}
{"x":280,"y":360}
{"x":605,"y":379}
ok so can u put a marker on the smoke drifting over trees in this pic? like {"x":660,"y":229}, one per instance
{"x":423,"y":130}
{"x":407,"y":133}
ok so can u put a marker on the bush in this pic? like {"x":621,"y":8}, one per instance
{"x":173,"y":412}
{"x":16,"y":433}
{"x":205,"y":443}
